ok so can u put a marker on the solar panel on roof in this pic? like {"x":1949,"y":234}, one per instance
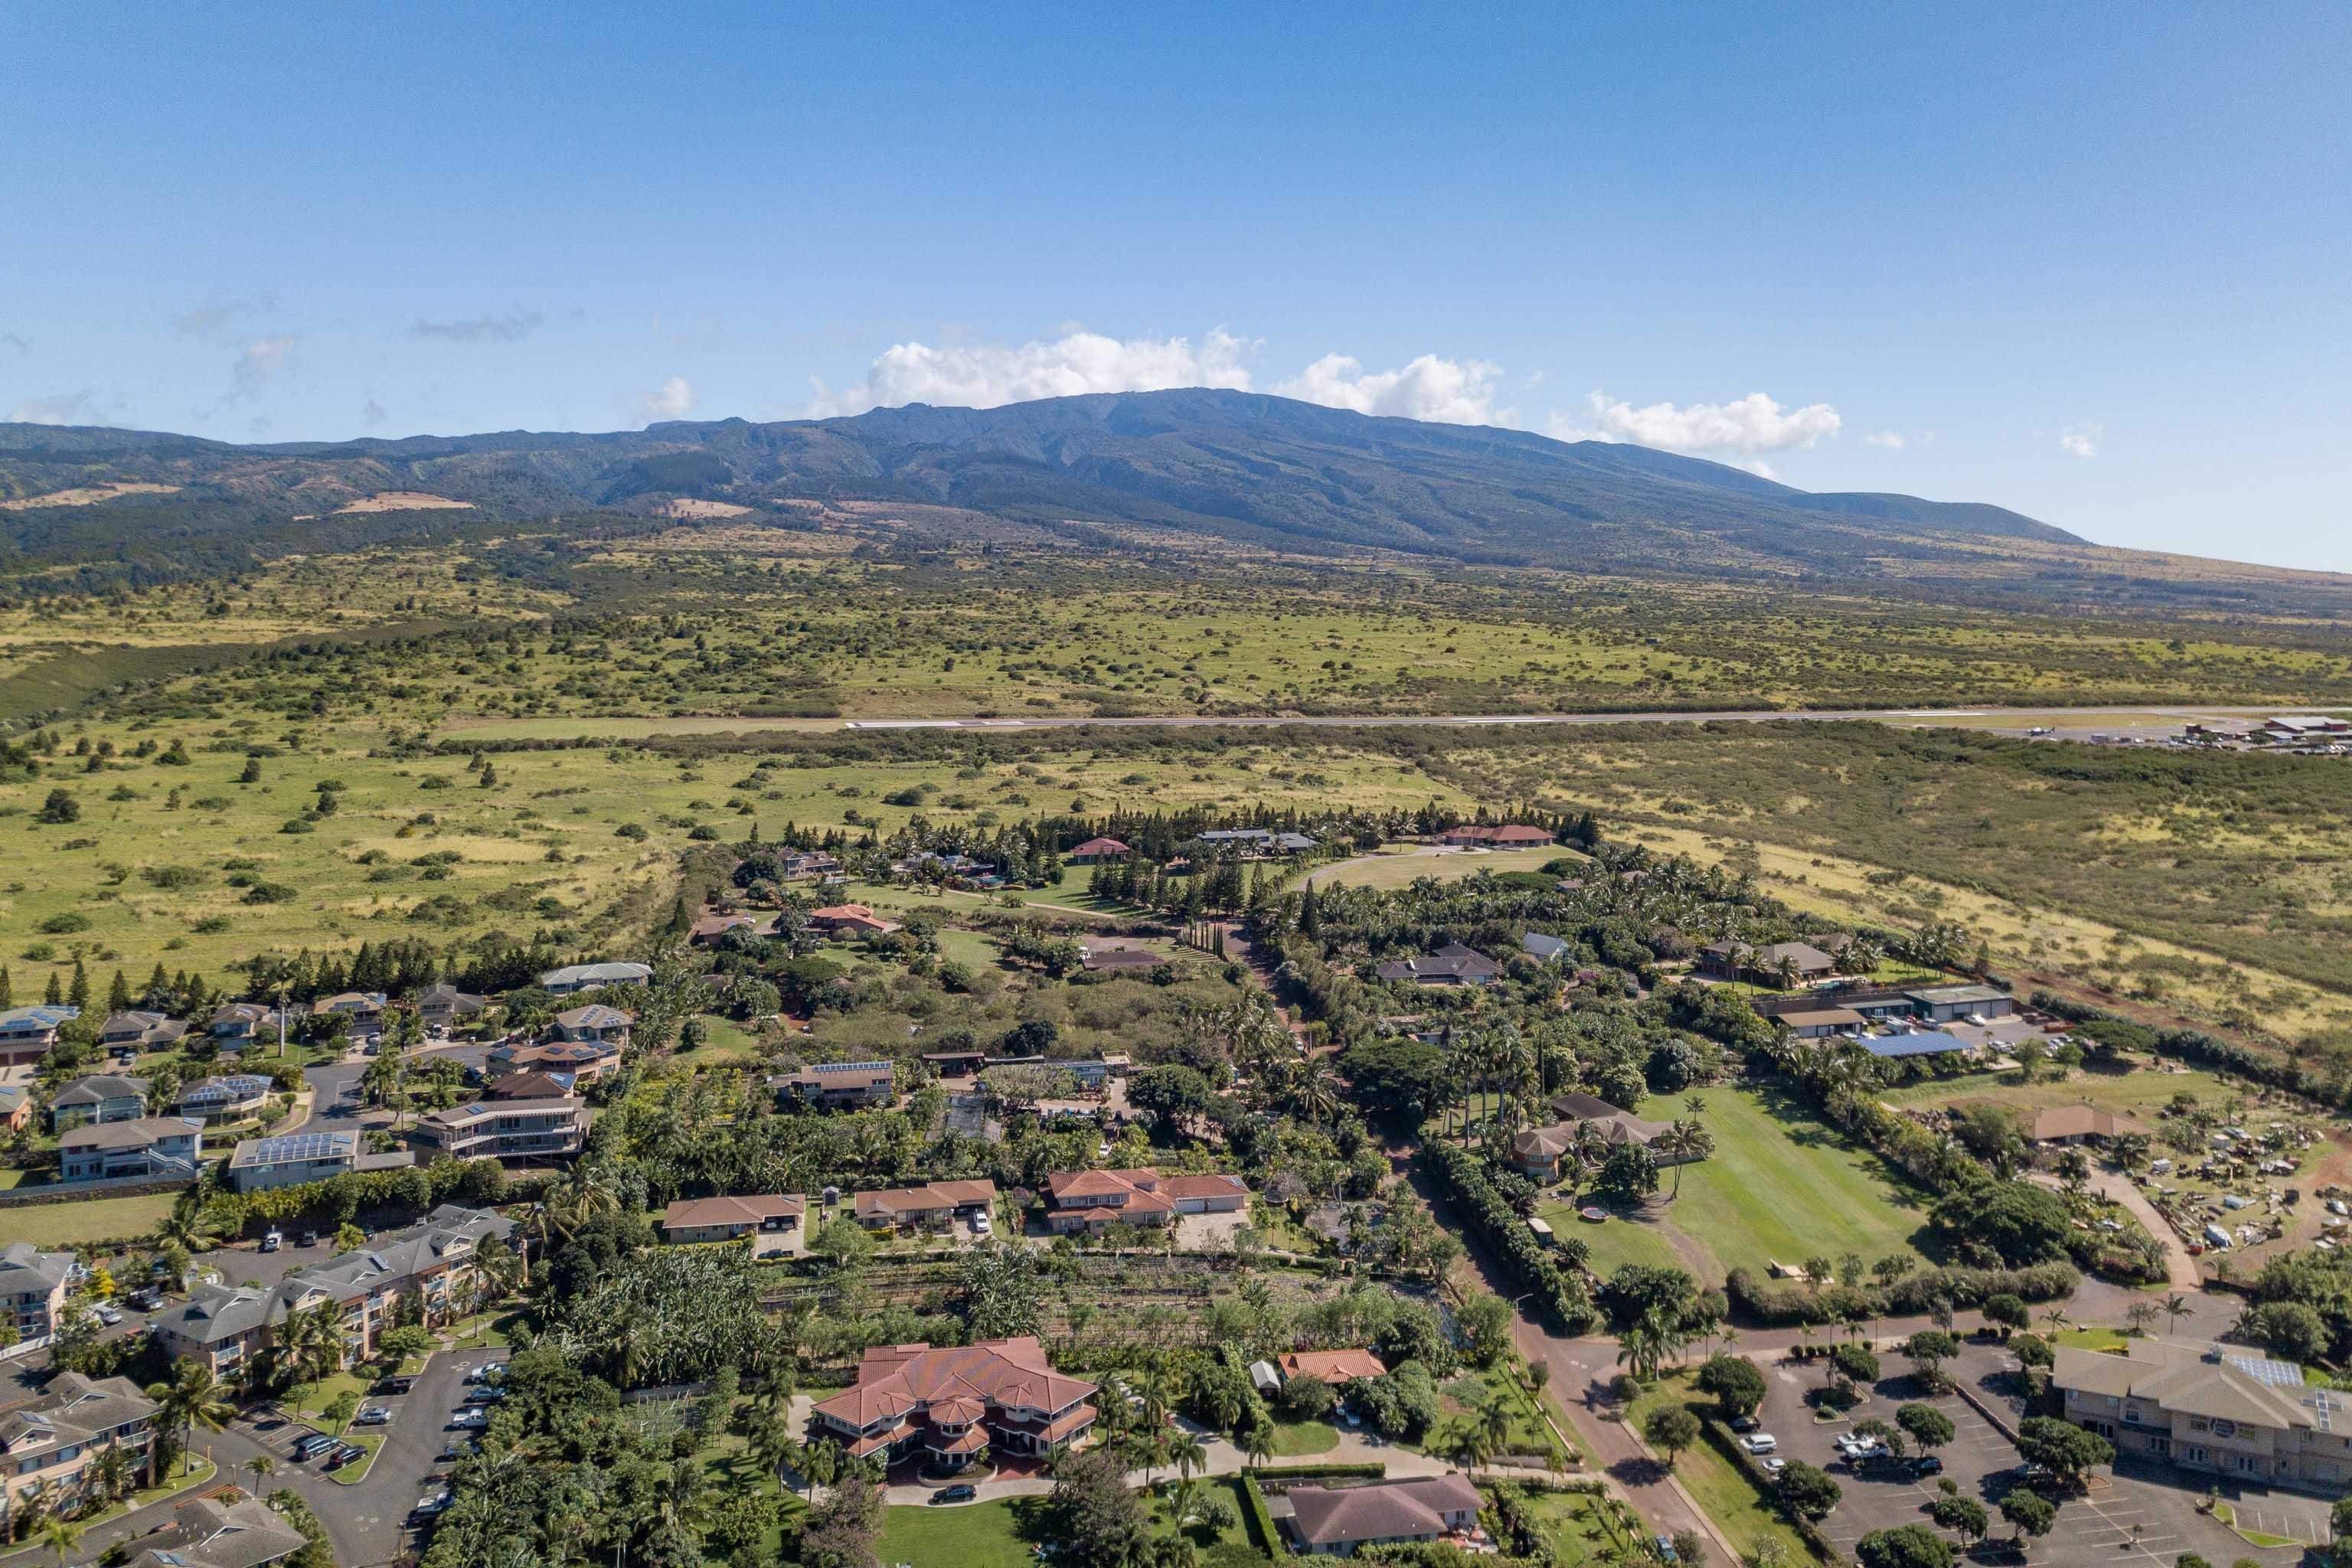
{"x":302,"y":1146}
{"x":2278,"y":1374}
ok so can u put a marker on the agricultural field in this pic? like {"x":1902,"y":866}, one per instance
{"x":1781,"y":1186}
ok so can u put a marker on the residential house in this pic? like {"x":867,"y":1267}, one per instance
{"x":849,"y":921}
{"x":531,"y":1084}
{"x":290,"y":1159}
{"x":1095,"y":852}
{"x":158,"y":1148}
{"x":239,"y":1021}
{"x":1544,"y":949}
{"x":1258,"y":841}
{"x":2218,"y":1409}
{"x":228,"y":1097}
{"x":33,"y":1287}
{"x":28,"y":1033}
{"x":1730,"y":959}
{"x":1540,"y":1152}
{"x":593,"y":976}
{"x":2071,"y":1124}
{"x":52,"y":1443}
{"x":1512,"y":835}
{"x":1877,"y":1003}
{"x":594,"y":1023}
{"x":359,"y":1007}
{"x":445,"y":1005}
{"x":101,"y":1097}
{"x":1336,"y":1521}
{"x":426,"y":1271}
{"x":1944,"y":1003}
{"x":1820,"y":1023}
{"x":586,"y":1060}
{"x":1122,"y":960}
{"x":839,"y":1085}
{"x":1093,"y":1200}
{"x":504,"y":1130}
{"x":731,"y":1219}
{"x":948,"y":1405}
{"x":932,"y":1206}
{"x":15,"y":1107}
{"x":212,"y":1532}
{"x":1452,"y":964}
{"x":706,"y":931}
{"x":141,"y":1030}
{"x":1333,"y":1367}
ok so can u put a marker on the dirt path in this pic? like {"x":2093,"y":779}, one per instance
{"x":2179,"y":1268}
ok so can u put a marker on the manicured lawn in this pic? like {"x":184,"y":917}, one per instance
{"x":85,"y":1219}
{"x":1393,"y":871}
{"x":962,"y":1535}
{"x":1614,"y":1242}
{"x":1576,"y":1524}
{"x":2137,"y":1094}
{"x":723,"y":1038}
{"x":1782,"y":1184}
{"x":1294,"y":1438}
{"x":486,"y":1331}
{"x":1720,"y":1487}
{"x":1224,"y":1489}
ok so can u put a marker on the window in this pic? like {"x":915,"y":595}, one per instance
{"x":2192,"y":1455}
{"x":2198,"y":1424}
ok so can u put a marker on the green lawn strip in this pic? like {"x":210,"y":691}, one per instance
{"x":1574,"y":1525}
{"x":308,"y":1401}
{"x":485,"y":1331}
{"x":1227,"y":1488}
{"x":1294,"y":1438}
{"x":352,"y":1474}
{"x":1783,"y":1185}
{"x":82,"y":1220}
{"x":963,"y":1535}
{"x":1718,"y":1486}
{"x":2229,"y":1516}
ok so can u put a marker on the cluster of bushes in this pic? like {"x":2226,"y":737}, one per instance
{"x":1917,"y":1292}
{"x":1565,"y":1300}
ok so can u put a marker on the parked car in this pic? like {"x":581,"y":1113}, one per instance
{"x":468,"y":1419}
{"x":342,"y":1454}
{"x":1760,"y":1442}
{"x":1665,"y":1545}
{"x":272,"y":1242}
{"x":955,"y":1494}
{"x":146,"y":1299}
{"x":459,"y":1448}
{"x":488,"y":1393}
{"x":1926,"y":1465}
{"x":981,"y":1225}
{"x":1743,"y":1424}
{"x":393,"y":1386}
{"x":488,"y":1371}
{"x":429,"y":1506}
{"x":311,"y":1446}
{"x":309,"y":1238}
{"x":371,"y":1415}
{"x":109,"y":1316}
{"x":1775,"y":1465}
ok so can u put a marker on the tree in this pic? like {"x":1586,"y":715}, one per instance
{"x":2069,"y":1452}
{"x":1672,"y":1428}
{"x":1100,"y":1522}
{"x":1173,"y":1093}
{"x":1003,"y":1297}
{"x":1735,"y":1381}
{"x":1963,"y":1516}
{"x":2288,"y":1330}
{"x":1904,"y":1546}
{"x":1929,"y":1426}
{"x":1308,"y":1399}
{"x":1855,"y":1363}
{"x":2016,"y":1222}
{"x":190,"y":1397}
{"x":841,"y":1526}
{"x":2028,"y":1514}
{"x":1928,"y":1350}
{"x":1648,"y":1341}
{"x":1628,"y":1176}
{"x":59,"y":807}
{"x":2339,"y":1525}
{"x":340,"y":1410}
{"x":1807,"y":1490}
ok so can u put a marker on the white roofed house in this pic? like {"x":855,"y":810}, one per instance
{"x":228,"y":1097}
{"x":594,"y":976}
{"x":290,"y":1159}
{"x":152,"y":1148}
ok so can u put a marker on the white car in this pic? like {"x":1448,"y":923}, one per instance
{"x":373,"y":1416}
{"x":1774,"y":1467}
{"x":981,"y":1225}
{"x":1760,"y":1442}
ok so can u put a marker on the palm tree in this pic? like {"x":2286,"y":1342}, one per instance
{"x":2176,"y":1306}
{"x":260,"y":1465}
{"x":61,"y":1535}
{"x":1495,"y":1420}
{"x":1648,"y":1341}
{"x":1469,"y":1446}
{"x":1186,"y":1453}
{"x":1257,"y":1443}
{"x":190,"y":1397}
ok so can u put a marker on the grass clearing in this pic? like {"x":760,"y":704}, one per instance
{"x":1294,"y":1438}
{"x":80,"y":1221}
{"x":996,"y":1534}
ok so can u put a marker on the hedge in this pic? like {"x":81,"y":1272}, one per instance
{"x":1564,"y":1297}
{"x":1374,"y":1471}
{"x":1783,"y":1305}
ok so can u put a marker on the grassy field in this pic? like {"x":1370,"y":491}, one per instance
{"x":1576,"y":1526}
{"x":2137,"y":1094}
{"x":83,"y":1220}
{"x":1294,"y":1438}
{"x":963,"y":1535}
{"x":1719,"y":1486}
{"x":1782,"y":1185}
{"x":1399,"y":871}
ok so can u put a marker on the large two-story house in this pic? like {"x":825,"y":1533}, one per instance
{"x":594,"y":1024}
{"x":2214,"y":1408}
{"x":290,"y":1159}
{"x":578,"y":977}
{"x":946,"y":1405}
{"x":28,"y":1033}
{"x":101,"y":1097}
{"x":226,"y":1097}
{"x":139,"y":1030}
{"x":158,"y":1147}
{"x":838,"y":1085}
{"x":52,"y":1442}
{"x":503,"y":1129}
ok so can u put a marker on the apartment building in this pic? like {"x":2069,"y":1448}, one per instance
{"x":503,"y":1130}
{"x":33,"y":1287}
{"x":52,"y":1443}
{"x":2217,"y":1409}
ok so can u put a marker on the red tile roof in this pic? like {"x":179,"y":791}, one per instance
{"x":897,"y":1379}
{"x":1333,"y":1366}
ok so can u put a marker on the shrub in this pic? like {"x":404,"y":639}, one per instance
{"x":65,"y":923}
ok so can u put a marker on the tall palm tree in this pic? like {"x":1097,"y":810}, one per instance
{"x":1187,"y":1453}
{"x":61,"y":1535}
{"x":190,"y":1397}
{"x":2176,"y":1306}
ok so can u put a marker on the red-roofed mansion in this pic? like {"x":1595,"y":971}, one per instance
{"x":945,"y":1406}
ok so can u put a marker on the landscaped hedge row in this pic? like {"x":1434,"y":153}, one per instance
{"x":1374,"y":1471}
{"x":2332,"y":1091}
{"x":1262,"y":1533}
{"x":1783,"y":1305}
{"x":1563,"y":1296}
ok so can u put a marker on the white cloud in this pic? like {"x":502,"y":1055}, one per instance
{"x":1747,"y":426}
{"x":1451,"y":392}
{"x":985,"y":375}
{"x":675,"y":400}
{"x":64,"y":408}
{"x":256,"y":364}
{"x":1893,"y":440}
{"x":513,"y":327}
{"x":2082,"y":440}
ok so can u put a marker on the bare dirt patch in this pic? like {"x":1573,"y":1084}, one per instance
{"x":404,"y":501}
{"x":684,"y":506}
{"x":87,"y":495}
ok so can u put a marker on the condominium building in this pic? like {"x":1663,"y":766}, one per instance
{"x":53,"y":1442}
{"x":503,"y":1129}
{"x":2215,"y":1408}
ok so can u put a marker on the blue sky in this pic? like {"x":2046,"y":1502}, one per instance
{"x":2087,"y":262}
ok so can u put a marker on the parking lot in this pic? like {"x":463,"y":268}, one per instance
{"x":2138,"y":1516}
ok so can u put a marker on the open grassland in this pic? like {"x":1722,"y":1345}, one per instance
{"x":1401,"y":870}
{"x":83,"y":1220}
{"x":2135,"y":1094}
{"x":1781,"y":1186}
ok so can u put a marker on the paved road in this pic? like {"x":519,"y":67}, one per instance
{"x":1751,"y":715}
